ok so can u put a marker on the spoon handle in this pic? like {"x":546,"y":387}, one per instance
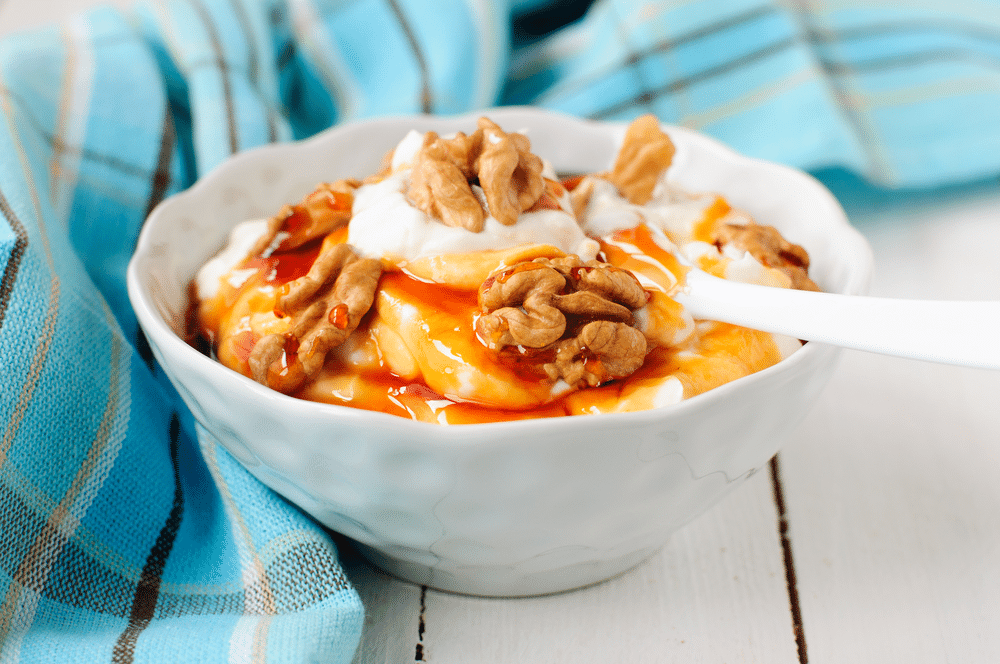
{"x":950,"y":332}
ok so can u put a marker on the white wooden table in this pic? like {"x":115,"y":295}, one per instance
{"x":875,"y":537}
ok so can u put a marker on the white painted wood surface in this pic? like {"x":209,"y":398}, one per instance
{"x":890,"y":488}
{"x":690,"y":602}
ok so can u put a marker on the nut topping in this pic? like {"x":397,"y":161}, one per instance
{"x":645,"y":153}
{"x":440,"y":186}
{"x":601,"y":351}
{"x":527,"y":306}
{"x":326,"y":306}
{"x":444,"y":171}
{"x":510,"y":175}
{"x":324,"y":210}
{"x":767,"y":245}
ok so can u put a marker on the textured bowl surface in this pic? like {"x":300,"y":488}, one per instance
{"x":514,"y":508}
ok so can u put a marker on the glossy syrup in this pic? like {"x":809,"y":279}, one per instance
{"x":719,"y":354}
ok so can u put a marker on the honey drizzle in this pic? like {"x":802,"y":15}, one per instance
{"x":704,"y":230}
{"x":632,"y":248}
{"x":382,"y":391}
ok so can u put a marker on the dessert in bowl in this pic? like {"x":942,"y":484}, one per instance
{"x":496,"y":495}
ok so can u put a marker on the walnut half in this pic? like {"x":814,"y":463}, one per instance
{"x":326,"y":305}
{"x":645,"y":153}
{"x":769,"y":247}
{"x":325,"y":209}
{"x":580,"y":314}
{"x":502,"y":164}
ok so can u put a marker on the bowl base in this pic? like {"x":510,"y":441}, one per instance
{"x":515,"y":580}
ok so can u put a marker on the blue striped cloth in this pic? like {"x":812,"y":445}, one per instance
{"x":127,"y":534}
{"x":906,"y":94}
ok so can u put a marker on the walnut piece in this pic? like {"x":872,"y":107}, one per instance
{"x":326,"y":305}
{"x":645,"y":153}
{"x":444,"y":171}
{"x":439,"y":185}
{"x":510,"y":175}
{"x":601,"y":351}
{"x":324,"y":210}
{"x":532,"y":304}
{"x":768,"y":246}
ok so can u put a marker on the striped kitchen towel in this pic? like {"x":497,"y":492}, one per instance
{"x":904,"y":93}
{"x":129,"y":535}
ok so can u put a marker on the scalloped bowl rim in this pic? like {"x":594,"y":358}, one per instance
{"x":155,"y":325}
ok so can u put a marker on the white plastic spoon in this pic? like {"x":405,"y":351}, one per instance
{"x":950,"y":332}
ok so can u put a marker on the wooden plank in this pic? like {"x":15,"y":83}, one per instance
{"x":716,"y":592}
{"x":892,"y":490}
{"x":392,"y":611}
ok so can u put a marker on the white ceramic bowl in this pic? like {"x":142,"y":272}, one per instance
{"x":515,"y":508}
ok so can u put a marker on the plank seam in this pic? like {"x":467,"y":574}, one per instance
{"x":421,"y":626}
{"x":789,"y":561}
